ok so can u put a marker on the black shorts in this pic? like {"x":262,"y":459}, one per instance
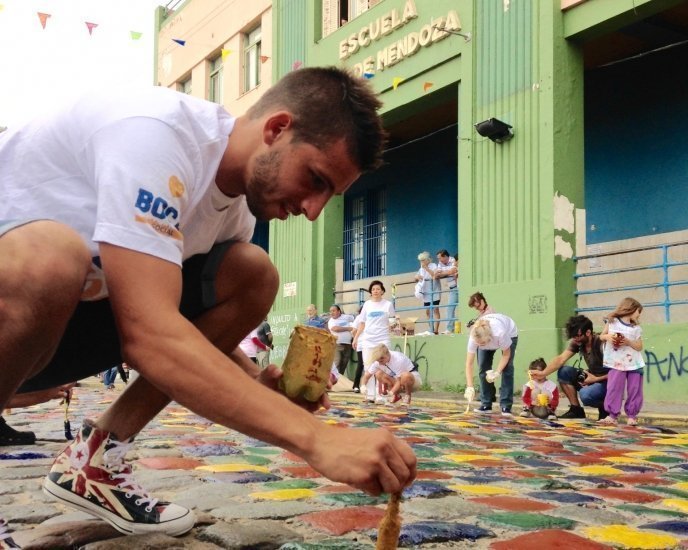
{"x":91,"y":343}
{"x":435,"y":303}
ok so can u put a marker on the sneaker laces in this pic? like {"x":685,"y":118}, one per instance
{"x":5,"y":536}
{"x":119,"y":470}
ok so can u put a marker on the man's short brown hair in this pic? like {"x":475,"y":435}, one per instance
{"x":328,"y":104}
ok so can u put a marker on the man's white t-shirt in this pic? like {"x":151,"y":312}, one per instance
{"x":248,"y":345}
{"x":376,"y":318}
{"x":136,"y":171}
{"x":503,"y":330}
{"x":344,"y":320}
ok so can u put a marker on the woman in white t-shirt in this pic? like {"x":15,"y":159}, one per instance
{"x":430,"y":293}
{"x":374,"y":326}
{"x":489,"y":333}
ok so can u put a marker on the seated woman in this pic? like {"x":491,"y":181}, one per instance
{"x":396,"y":371}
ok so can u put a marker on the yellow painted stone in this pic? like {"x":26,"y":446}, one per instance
{"x":592,"y":431}
{"x":466,"y":457}
{"x":672,"y":441}
{"x":284,"y":494}
{"x":679,"y":503}
{"x":598,"y":470}
{"x":644,"y":454}
{"x":622,"y":536}
{"x":483,"y":489}
{"x":233,"y":468}
{"x":460,"y":424}
{"x":331,"y":421}
{"x":683,"y":485}
{"x":625,"y":460}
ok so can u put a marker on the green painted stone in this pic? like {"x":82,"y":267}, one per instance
{"x":258,"y":460}
{"x":556,"y":485}
{"x":638,"y":509}
{"x":263,"y":451}
{"x":354,"y":499}
{"x":535,"y":481}
{"x":521,"y":454}
{"x":528,"y":522}
{"x":664,"y":459}
{"x":426,"y":452}
{"x":437,"y":465}
{"x":291,"y":484}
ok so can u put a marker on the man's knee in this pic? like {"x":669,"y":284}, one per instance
{"x":47,"y":260}
{"x":247,"y":267}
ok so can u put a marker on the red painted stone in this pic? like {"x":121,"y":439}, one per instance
{"x":341,"y":521}
{"x":580,"y":460}
{"x":517,"y":473}
{"x":642,"y":479}
{"x":627,"y":495}
{"x":303,"y":472}
{"x":551,"y":539}
{"x":545,"y":449}
{"x":433,"y":474}
{"x":169,"y":463}
{"x":513,"y":504}
{"x":413,"y":440}
{"x":291,"y":457}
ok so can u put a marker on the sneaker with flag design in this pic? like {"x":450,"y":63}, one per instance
{"x":91,"y":475}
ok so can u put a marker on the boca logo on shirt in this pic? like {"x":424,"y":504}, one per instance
{"x":159,"y":214}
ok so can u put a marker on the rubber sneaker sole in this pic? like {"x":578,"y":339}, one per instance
{"x":176,"y":526}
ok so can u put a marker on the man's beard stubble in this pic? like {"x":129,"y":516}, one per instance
{"x":263,"y":182}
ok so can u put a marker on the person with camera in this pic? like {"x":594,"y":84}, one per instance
{"x":589,"y":385}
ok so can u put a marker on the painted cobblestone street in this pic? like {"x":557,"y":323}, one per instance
{"x":483,"y":482}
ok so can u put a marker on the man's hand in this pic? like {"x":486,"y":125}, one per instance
{"x":371,"y":460}
{"x":469,"y":394}
{"x":492,"y":375}
{"x":33,"y":398}
{"x":589,"y":379}
{"x":270,"y":376}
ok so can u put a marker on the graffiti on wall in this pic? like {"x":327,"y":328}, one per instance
{"x":675,"y":364}
{"x":414,"y":351}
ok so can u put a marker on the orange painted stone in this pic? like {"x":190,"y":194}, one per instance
{"x":513,"y":504}
{"x":627,"y":495}
{"x":518,"y":473}
{"x":302,"y":472}
{"x":579,"y":460}
{"x":433,"y":474}
{"x":551,"y":539}
{"x":544,"y":449}
{"x":169,"y":463}
{"x":341,"y":521}
{"x":489,"y":463}
{"x":336,"y":489}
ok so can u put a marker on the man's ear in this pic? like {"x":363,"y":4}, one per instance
{"x":276,"y":125}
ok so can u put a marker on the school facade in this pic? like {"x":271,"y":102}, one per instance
{"x":582,"y":206}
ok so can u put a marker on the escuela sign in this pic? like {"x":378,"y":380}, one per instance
{"x":400,"y":49}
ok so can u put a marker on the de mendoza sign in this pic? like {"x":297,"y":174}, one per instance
{"x":399,"y":50}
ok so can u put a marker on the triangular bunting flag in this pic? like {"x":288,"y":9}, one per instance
{"x":264,"y":58}
{"x":296,"y":65}
{"x":179,"y":41}
{"x":135,"y":35}
{"x":427,"y":86}
{"x":225,"y":53}
{"x":90,"y":27}
{"x":43,"y":18}
{"x":396,"y":81}
{"x":368,"y":75}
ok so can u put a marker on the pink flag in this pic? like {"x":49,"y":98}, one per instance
{"x":44,"y":18}
{"x":90,"y":27}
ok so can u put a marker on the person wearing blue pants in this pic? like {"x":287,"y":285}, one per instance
{"x":490,"y":333}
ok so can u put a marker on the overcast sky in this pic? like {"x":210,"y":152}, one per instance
{"x":43,"y":67}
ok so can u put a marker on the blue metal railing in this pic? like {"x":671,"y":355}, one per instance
{"x":665,"y":283}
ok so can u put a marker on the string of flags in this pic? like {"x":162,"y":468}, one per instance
{"x":43,"y":18}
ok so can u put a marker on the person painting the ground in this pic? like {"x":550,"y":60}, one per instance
{"x":396,"y":371}
{"x":591,"y":385}
{"x":490,"y":333}
{"x":125,"y":236}
{"x":622,"y":337}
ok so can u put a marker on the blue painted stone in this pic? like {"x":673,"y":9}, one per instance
{"x":211,"y":449}
{"x":553,"y":424}
{"x":683,"y":466}
{"x":242,"y":477}
{"x":537,"y":463}
{"x":336,"y":544}
{"x":427,"y":489}
{"x":438,"y":531}
{"x":341,"y":413}
{"x":22,"y":456}
{"x":568,"y":498}
{"x":672,"y":526}
{"x":636,"y":468}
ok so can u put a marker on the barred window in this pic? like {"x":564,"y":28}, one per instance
{"x":365,"y":235}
